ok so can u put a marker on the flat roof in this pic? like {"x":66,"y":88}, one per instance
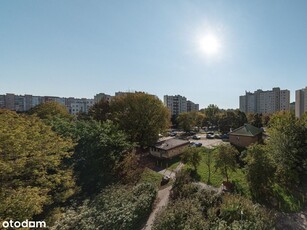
{"x":171,"y":144}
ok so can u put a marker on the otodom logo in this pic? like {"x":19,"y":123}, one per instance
{"x":24,"y":224}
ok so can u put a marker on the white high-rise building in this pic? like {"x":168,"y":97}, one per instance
{"x":300,"y":102}
{"x":269,"y":101}
{"x":176,"y":104}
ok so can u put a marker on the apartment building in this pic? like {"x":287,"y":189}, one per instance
{"x":192,"y":106}
{"x":22,"y":103}
{"x":178,"y":104}
{"x":269,"y":101}
{"x":102,"y":96}
{"x":81,"y":106}
{"x":300,"y":102}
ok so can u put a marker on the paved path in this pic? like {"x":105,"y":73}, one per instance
{"x":162,"y":200}
{"x":162,"y":197}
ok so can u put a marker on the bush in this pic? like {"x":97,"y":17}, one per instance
{"x":117,"y":207}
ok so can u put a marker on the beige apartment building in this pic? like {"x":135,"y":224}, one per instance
{"x":269,"y":101}
{"x":300,"y":102}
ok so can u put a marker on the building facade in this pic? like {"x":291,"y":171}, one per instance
{"x":300,"y":102}
{"x":179,"y":104}
{"x":269,"y":101}
{"x":22,"y":103}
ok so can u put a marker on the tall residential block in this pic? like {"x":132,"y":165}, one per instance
{"x":178,"y":104}
{"x":192,"y":106}
{"x":300,"y":102}
{"x":269,"y":101}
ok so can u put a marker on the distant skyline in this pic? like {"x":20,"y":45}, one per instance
{"x":207,"y":51}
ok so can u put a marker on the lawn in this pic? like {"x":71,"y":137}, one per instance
{"x":216,"y":177}
{"x":150,"y":176}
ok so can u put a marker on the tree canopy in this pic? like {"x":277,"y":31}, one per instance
{"x":50,"y":109}
{"x":33,"y":172}
{"x":142,"y":116}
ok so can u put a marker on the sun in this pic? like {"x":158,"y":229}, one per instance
{"x":209,"y":44}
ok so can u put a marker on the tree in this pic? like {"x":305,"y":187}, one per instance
{"x":100,"y":111}
{"x":259,"y":163}
{"x":208,"y":160}
{"x":226,"y":159}
{"x":211,"y":113}
{"x":49,"y":110}
{"x":33,"y":173}
{"x":185,"y":121}
{"x":188,"y":120}
{"x":191,"y":156}
{"x":287,"y":147}
{"x":255,"y":119}
{"x":142,"y":116}
{"x":100,"y":148}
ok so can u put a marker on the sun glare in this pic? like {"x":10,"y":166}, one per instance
{"x":209,"y":44}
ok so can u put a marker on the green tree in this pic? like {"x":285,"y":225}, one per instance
{"x":185,"y":121}
{"x":49,"y":110}
{"x":142,"y":116}
{"x":100,"y":111}
{"x":100,"y":148}
{"x":258,"y":163}
{"x":208,"y":161}
{"x":255,"y":119}
{"x":226,"y":159}
{"x":32,"y":169}
{"x":188,"y":120}
{"x":287,"y":147}
{"x":191,"y":156}
{"x":211,"y":113}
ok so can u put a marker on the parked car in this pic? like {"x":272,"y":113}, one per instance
{"x":210,"y":136}
{"x":195,"y":137}
{"x":165,"y":179}
{"x":195,"y":144}
{"x":217,"y":136}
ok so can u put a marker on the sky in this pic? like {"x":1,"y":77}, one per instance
{"x":81,"y":48}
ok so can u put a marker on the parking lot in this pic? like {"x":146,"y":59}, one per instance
{"x":207,"y":142}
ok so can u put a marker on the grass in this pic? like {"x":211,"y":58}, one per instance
{"x":150,"y":176}
{"x":216,"y":178}
{"x":287,"y":201}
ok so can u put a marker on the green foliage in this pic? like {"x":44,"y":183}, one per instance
{"x":188,"y":120}
{"x":117,"y":207}
{"x":100,"y":111}
{"x":142,"y":116}
{"x":152,"y":177}
{"x":49,"y":110}
{"x":181,"y":214}
{"x":191,"y":156}
{"x":259,"y":173}
{"x":235,"y":208}
{"x":231,"y":119}
{"x":255,"y":119}
{"x":196,"y":208}
{"x":100,"y":148}
{"x":32,"y":169}
{"x":211,"y":113}
{"x":182,"y":187}
{"x":129,"y":169}
{"x":287,"y":147}
{"x":225,"y":159}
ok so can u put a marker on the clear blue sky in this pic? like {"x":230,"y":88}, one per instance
{"x":80,"y":48}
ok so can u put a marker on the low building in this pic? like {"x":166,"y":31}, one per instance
{"x":169,"y":148}
{"x":245,"y":136}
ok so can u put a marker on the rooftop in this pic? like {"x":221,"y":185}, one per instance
{"x":171,"y":143}
{"x":247,"y":130}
